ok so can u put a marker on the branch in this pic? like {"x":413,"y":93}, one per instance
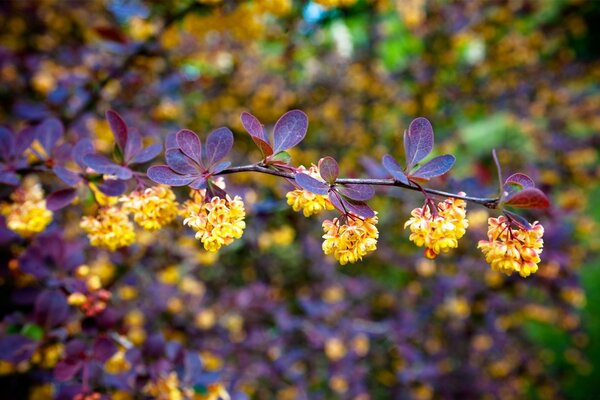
{"x":491,"y":203}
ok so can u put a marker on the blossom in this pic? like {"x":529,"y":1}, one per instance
{"x":306,"y":201}
{"x":217,"y":222}
{"x":349,"y":238}
{"x":110,"y":229}
{"x":438,"y":232}
{"x":27,"y":215}
{"x":510,"y":249}
{"x":152,"y":208}
{"x":165,"y":388}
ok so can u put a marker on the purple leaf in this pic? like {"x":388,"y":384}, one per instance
{"x":254,"y":127}
{"x":392,"y":166}
{"x":418,"y":142}
{"x":521,"y":179}
{"x":528,"y":198}
{"x":133,"y":146}
{"x":65,"y":370}
{"x":171,"y":141}
{"x":198,"y":183}
{"x":118,"y":127}
{"x":345,"y":205}
{"x":215,"y":191}
{"x":357,"y":192}
{"x":16,"y":348}
{"x":7,"y":143}
{"x":49,"y":132}
{"x":147,"y":154}
{"x":62,"y":153}
{"x":311,"y":184}
{"x":165,"y":175}
{"x":112,"y":187}
{"x":103,"y":349}
{"x":218,"y":145}
{"x":67,"y":176}
{"x":103,"y":165}
{"x":435,"y":167}
{"x":181,"y":163}
{"x":329,"y":169}
{"x":51,"y":308}
{"x":518,"y":220}
{"x":61,"y":198}
{"x":24,"y":139}
{"x":9,"y":178}
{"x":82,"y":149}
{"x":190,"y":145}
{"x":289,"y":130}
{"x":215,"y":169}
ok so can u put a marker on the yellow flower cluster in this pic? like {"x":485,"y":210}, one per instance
{"x":27,"y":215}
{"x":438,"y":233}
{"x":165,"y":388}
{"x":335,"y":3}
{"x":511,"y":250}
{"x":152,"y":208}
{"x":217,"y":222}
{"x":110,"y":229}
{"x":306,"y":201}
{"x":350,"y":240}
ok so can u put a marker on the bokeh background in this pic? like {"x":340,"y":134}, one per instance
{"x":270,"y":315}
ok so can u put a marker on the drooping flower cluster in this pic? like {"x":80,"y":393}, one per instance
{"x":27,"y":215}
{"x":510,"y":249}
{"x":110,"y":228}
{"x":438,"y":232}
{"x":217,"y":222}
{"x":152,"y":208}
{"x":306,"y":201}
{"x":349,"y":238}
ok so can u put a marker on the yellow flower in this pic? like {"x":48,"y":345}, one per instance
{"x":165,"y":388}
{"x":306,"y":201}
{"x":351,"y":239}
{"x":440,"y":232}
{"x":511,"y":249}
{"x":153,"y":208}
{"x":27,"y":215}
{"x":217,"y":222}
{"x":110,"y":229}
{"x":214,"y":391}
{"x":117,"y":363}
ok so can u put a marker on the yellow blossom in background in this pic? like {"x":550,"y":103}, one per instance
{"x":335,"y":3}
{"x":110,"y":229}
{"x":117,"y":363}
{"x":306,"y":201}
{"x":440,"y":232}
{"x":217,"y":222}
{"x":351,"y":240}
{"x":152,"y":208}
{"x":165,"y":388}
{"x":511,"y":250}
{"x":27,"y":215}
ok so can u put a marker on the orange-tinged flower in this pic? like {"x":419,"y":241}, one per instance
{"x":306,"y":201}
{"x":440,"y":232}
{"x":511,"y":249}
{"x":152,"y":208}
{"x":350,"y":238}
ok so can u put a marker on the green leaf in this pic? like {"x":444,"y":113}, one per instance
{"x":33,"y":331}
{"x":283,"y":157}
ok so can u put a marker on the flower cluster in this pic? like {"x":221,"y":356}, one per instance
{"x":511,"y":249}
{"x":306,"y":201}
{"x":27,"y":215}
{"x":90,"y":297}
{"x":217,"y":222}
{"x":438,"y":231}
{"x":152,"y":208}
{"x":349,"y":238}
{"x":110,"y":228}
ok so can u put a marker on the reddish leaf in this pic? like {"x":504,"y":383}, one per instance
{"x":265,"y":147}
{"x":329,"y":169}
{"x":528,"y":198}
{"x":392,"y":166}
{"x":165,"y":175}
{"x":61,"y":198}
{"x":311,"y":184}
{"x":356,"y":207}
{"x":181,"y":163}
{"x":289,"y":130}
{"x":118,"y":127}
{"x":435,"y":167}
{"x":521,"y":179}
{"x":218,"y":145}
{"x":190,"y":145}
{"x":357,"y":192}
{"x":111,"y":33}
{"x":418,"y":142}
{"x":254,"y":127}
{"x":103,"y":165}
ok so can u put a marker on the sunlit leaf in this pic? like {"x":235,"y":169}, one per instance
{"x":289,"y":130}
{"x":254,"y":127}
{"x":311,"y":184}
{"x":418,"y":141}
{"x":190,"y":145}
{"x":435,"y":167}
{"x":181,"y":163}
{"x":329,"y":169}
{"x":392,"y":166}
{"x":523,"y":180}
{"x":103,"y":165}
{"x":345,"y":205}
{"x":165,"y":175}
{"x":528,"y":198}
{"x":218,"y":145}
{"x":357,"y":192}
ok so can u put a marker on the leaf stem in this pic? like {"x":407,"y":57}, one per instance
{"x":491,"y":203}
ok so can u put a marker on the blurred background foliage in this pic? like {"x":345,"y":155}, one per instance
{"x":271,"y":313}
